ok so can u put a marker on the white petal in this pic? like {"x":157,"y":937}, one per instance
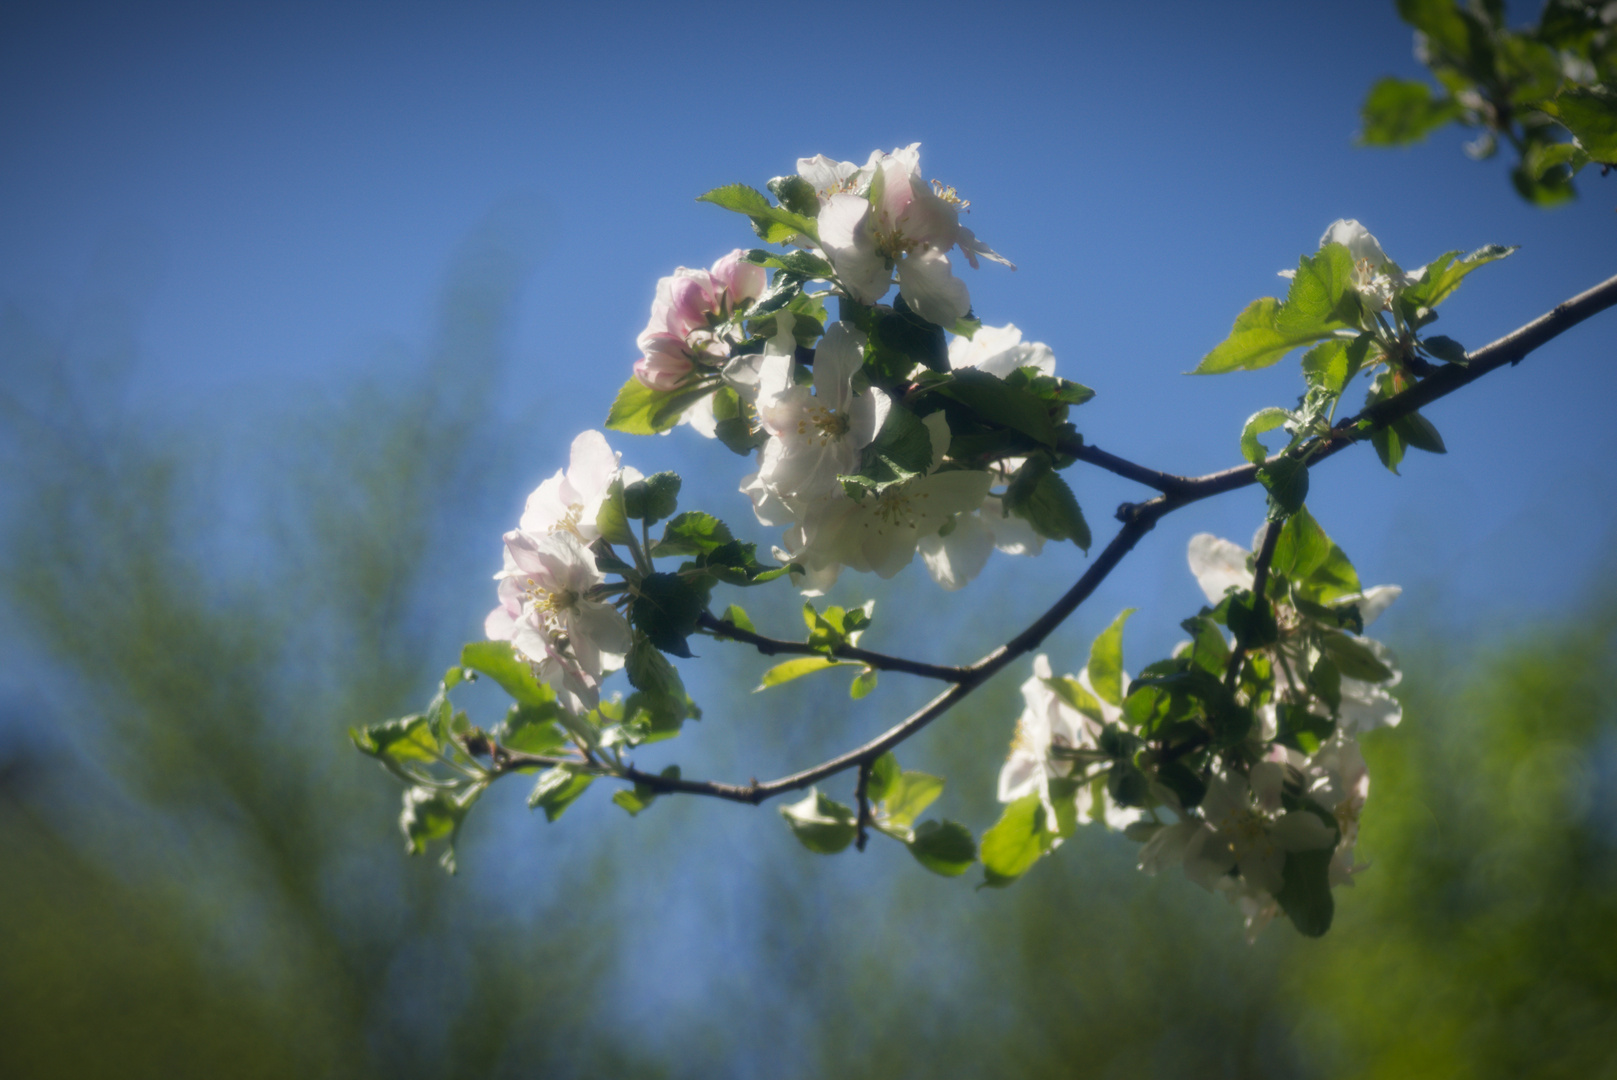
{"x":930,"y":288}
{"x":955,"y":559}
{"x":1219,"y":565}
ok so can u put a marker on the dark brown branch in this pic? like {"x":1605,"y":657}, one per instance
{"x":1139,"y":519}
{"x":1260,"y":582}
{"x":776,"y":646}
{"x":1128,"y":470}
{"x":861,"y":795}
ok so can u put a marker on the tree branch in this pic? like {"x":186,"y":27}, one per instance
{"x":1138,"y":519}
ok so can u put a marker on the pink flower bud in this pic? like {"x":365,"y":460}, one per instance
{"x":737,"y":279}
{"x":664,"y":365}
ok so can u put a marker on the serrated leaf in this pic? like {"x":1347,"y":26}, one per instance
{"x":532,"y":729}
{"x":1415,"y":430}
{"x":1073,"y":693}
{"x":1254,"y":341}
{"x":1334,"y":578}
{"x":900,"y":450}
{"x":692,"y":533}
{"x":775,"y":224}
{"x":499,"y":661}
{"x":408,"y":738}
{"x":641,"y":796}
{"x":1002,"y":403}
{"x":1264,"y":420}
{"x":652,"y":499}
{"x":1302,"y":546}
{"x":1444,"y":274}
{"x":1354,"y":658}
{"x":665,"y":608}
{"x":1590,"y":113}
{"x":649,"y":670}
{"x":796,"y":668}
{"x":884,"y":773}
{"x":1106,"y":661}
{"x":1332,"y":363}
{"x":822,"y":825}
{"x":737,"y":617}
{"x":1039,"y":496}
{"x":944,"y":847}
{"x":1389,"y":448}
{"x":1322,"y":298}
{"x":1286,"y":481}
{"x":612,"y":518}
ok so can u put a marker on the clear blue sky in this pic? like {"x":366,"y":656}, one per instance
{"x":280,"y":187}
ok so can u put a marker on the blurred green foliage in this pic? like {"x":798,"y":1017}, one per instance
{"x":199,"y":878}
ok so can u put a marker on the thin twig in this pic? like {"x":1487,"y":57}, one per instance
{"x":1260,"y":581}
{"x":861,"y":795}
{"x":777,"y":646}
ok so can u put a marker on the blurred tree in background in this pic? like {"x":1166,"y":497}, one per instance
{"x":195,"y":881}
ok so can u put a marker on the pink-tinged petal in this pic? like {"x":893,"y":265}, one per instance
{"x":1019,"y":776}
{"x":929,"y":220}
{"x":661,"y":372}
{"x":739,"y":279}
{"x":971,"y":248}
{"x":930,"y":288}
{"x":499,"y":625}
{"x":1219,"y":566}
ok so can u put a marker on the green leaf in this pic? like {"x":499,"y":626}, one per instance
{"x":641,"y":796}
{"x":773,"y":224}
{"x":431,"y":814}
{"x":1444,"y":274}
{"x":884,"y":773}
{"x":612,"y":519}
{"x":1001,"y":403}
{"x":1444,"y":348}
{"x":1415,"y":430}
{"x":1306,"y":895}
{"x":796,"y":194}
{"x":532,"y":729}
{"x":737,"y":617}
{"x":653,"y":498}
{"x":692,"y":533}
{"x":1252,"y":620}
{"x":1335,"y":577}
{"x":905,"y":796}
{"x":1073,"y":693}
{"x":1322,"y":298}
{"x":795,"y":669}
{"x":1302,"y":547}
{"x":1389,"y":448}
{"x":1286,"y":480}
{"x":640,"y":410}
{"x":1255,"y":341}
{"x":1258,"y":423}
{"x":649,"y":671}
{"x":944,"y":847}
{"x":822,"y":825}
{"x":1353,"y":657}
{"x":1332,"y":363}
{"x":1015,"y":842}
{"x":1038,"y":495}
{"x":557,"y":789}
{"x":1301,"y":729}
{"x":499,"y":661}
{"x":1106,"y":661}
{"x":408,"y":738}
{"x":1401,"y":111}
{"x":901,"y":449}
{"x":665,"y":608}
{"x":1590,"y":113}
{"x":804,"y":264}
{"x":863,"y":683}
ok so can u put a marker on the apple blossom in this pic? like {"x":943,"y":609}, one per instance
{"x":571,"y":500}
{"x":686,"y":332}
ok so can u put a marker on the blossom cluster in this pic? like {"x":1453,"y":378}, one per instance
{"x":1233,"y":811}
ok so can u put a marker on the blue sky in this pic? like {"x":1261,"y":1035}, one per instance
{"x":278,"y":189}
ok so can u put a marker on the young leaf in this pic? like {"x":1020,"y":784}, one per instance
{"x":1302,"y":547}
{"x":499,"y":661}
{"x":1415,"y":430}
{"x":1042,"y":498}
{"x":1306,"y":894}
{"x":1401,"y":111}
{"x":692,"y":533}
{"x":1015,"y":842}
{"x":884,"y":773}
{"x":653,"y":498}
{"x":773,"y":224}
{"x":409,"y":738}
{"x":640,"y":410}
{"x":1444,"y":274}
{"x":665,"y":608}
{"x":1000,"y":403}
{"x":1255,"y":341}
{"x":1286,"y":480}
{"x":1259,"y":422}
{"x":822,"y":825}
{"x":944,"y":847}
{"x":795,"y":669}
{"x":556,"y":790}
{"x":863,"y":683}
{"x":1106,"y":661}
{"x":737,"y":617}
{"x":905,"y":796}
{"x":1590,"y":113}
{"x":1322,"y":298}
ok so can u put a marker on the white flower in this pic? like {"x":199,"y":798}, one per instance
{"x":879,"y":533}
{"x":814,"y":437}
{"x":1245,"y":832}
{"x":900,"y":225}
{"x":1376,"y":277}
{"x":1000,"y":350}
{"x":570,"y":501}
{"x":571,"y":640}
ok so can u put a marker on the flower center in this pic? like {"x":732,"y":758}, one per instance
{"x":550,"y":602}
{"x":951,"y":196}
{"x":823,"y":424}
